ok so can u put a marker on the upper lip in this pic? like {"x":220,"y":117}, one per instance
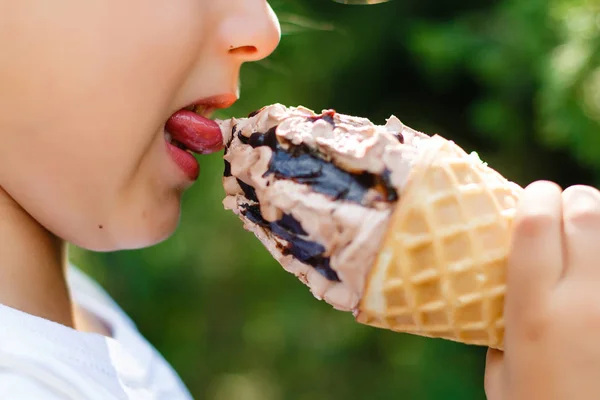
{"x":207,"y":105}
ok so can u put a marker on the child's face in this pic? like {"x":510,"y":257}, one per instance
{"x":87,"y":87}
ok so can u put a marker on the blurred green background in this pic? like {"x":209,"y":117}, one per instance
{"x":516,"y":80}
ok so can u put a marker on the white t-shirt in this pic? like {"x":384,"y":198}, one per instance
{"x":40,"y":359}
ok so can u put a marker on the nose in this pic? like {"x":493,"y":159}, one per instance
{"x":252,"y":32}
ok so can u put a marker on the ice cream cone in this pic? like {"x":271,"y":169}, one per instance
{"x":441,"y":268}
{"x":405,"y":230}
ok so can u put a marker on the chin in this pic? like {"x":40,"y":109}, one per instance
{"x":152,"y":230}
{"x":137,"y":231}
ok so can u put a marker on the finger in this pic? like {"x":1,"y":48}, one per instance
{"x":535,"y":260}
{"x":581,"y":215}
{"x":494,"y":378}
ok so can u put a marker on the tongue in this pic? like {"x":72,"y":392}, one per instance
{"x":200,"y":135}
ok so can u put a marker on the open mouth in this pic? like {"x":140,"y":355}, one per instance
{"x":179,"y":145}
{"x":202,"y":110}
{"x":190,"y":131}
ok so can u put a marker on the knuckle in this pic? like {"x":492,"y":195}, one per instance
{"x":577,"y":310}
{"x":589,"y":218}
{"x":534,"y":222}
{"x":534,"y":326}
{"x":536,"y":329}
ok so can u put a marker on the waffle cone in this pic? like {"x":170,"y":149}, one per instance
{"x":441,"y":270}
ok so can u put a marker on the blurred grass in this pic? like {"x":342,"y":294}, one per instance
{"x":518,"y":81}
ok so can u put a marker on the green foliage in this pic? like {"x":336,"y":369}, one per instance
{"x":517,"y":81}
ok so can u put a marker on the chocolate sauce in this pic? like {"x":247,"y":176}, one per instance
{"x":319,"y":262}
{"x":252,"y":212}
{"x":255,"y":113}
{"x":242,"y":138}
{"x":291,"y":224}
{"x":386,"y":179}
{"x":269,"y":139}
{"x":248,"y":190}
{"x":227,"y":169}
{"x":326,"y":116}
{"x":290,"y":229}
{"x":233,"y":130}
{"x":304,"y":165}
{"x":400,"y":137}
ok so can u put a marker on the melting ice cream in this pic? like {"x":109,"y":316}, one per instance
{"x":318,"y":190}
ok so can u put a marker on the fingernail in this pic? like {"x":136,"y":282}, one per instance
{"x":582,"y":201}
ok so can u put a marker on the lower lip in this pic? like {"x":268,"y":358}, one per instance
{"x":185,"y":161}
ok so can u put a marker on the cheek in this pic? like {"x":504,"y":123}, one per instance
{"x":84,"y":156}
{"x":117,"y":75}
{"x":94,"y":206}
{"x":102,"y":88}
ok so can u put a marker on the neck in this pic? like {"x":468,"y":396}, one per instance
{"x":32,"y":266}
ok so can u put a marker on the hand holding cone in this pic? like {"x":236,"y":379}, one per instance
{"x":439,"y":264}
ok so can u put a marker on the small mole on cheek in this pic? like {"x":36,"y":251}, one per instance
{"x":101,"y":226}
